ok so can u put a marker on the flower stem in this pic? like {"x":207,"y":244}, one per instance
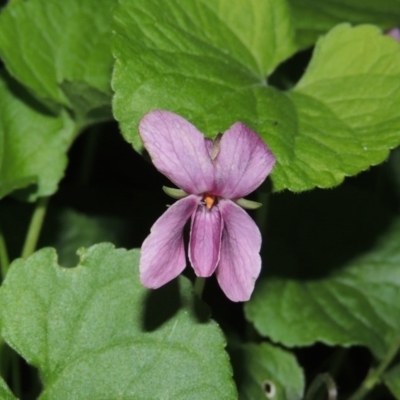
{"x":199,"y":286}
{"x":35,"y":227}
{"x":4,"y":260}
{"x":374,"y":375}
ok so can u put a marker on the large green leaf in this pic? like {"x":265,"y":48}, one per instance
{"x":340,"y":119}
{"x":60,"y":50}
{"x":314,"y":18}
{"x":266,"y":371}
{"x":189,"y":55}
{"x":95,"y":332}
{"x":355,"y":305}
{"x":33,"y":142}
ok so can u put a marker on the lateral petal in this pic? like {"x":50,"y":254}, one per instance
{"x":205,"y":240}
{"x":240,"y":261}
{"x":163,"y":253}
{"x":243,"y":162}
{"x":178,"y":150}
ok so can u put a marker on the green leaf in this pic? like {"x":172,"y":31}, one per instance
{"x":355,"y":305}
{"x":209,"y":50}
{"x":5,"y":392}
{"x":33,"y":142}
{"x":392,"y":380}
{"x":339,"y":120}
{"x":72,"y":45}
{"x":314,"y":18}
{"x":95,"y":332}
{"x":264,"y":369}
{"x":346,"y":104}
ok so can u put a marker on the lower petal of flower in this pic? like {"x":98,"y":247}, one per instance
{"x":163,"y":252}
{"x":240,"y":261}
{"x":205,"y":240}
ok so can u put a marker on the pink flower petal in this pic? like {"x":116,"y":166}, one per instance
{"x":178,"y":150}
{"x":243,"y":162}
{"x":163,"y":253}
{"x":205,"y":240}
{"x":240,"y":262}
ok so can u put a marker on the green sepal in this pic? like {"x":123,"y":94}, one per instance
{"x":248,"y":204}
{"x":175,"y":193}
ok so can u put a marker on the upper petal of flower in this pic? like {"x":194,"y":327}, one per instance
{"x":178,"y":150}
{"x":205,"y":240}
{"x":243,"y":162}
{"x":163,"y":253}
{"x":240,"y":261}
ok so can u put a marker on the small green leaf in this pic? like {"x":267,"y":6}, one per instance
{"x":46,"y":43}
{"x":266,"y":371}
{"x":314,"y":18}
{"x":5,"y":392}
{"x":33,"y":142}
{"x":392,"y":380}
{"x":95,"y":332}
{"x":355,"y":305}
{"x":341,"y":118}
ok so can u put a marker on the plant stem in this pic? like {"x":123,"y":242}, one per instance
{"x":35,"y":227}
{"x":4,"y":260}
{"x":29,"y":247}
{"x":199,"y":286}
{"x":374,"y":375}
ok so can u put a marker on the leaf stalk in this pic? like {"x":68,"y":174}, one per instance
{"x":374,"y":375}
{"x":35,"y":227}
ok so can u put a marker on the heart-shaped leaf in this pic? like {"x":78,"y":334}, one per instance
{"x":95,"y":332}
{"x":192,"y":59}
{"x":193,"y":55}
{"x":355,"y":305}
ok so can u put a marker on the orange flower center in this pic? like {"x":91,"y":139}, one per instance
{"x":209,"y":199}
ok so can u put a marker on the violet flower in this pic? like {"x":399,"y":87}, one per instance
{"x":214,"y":176}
